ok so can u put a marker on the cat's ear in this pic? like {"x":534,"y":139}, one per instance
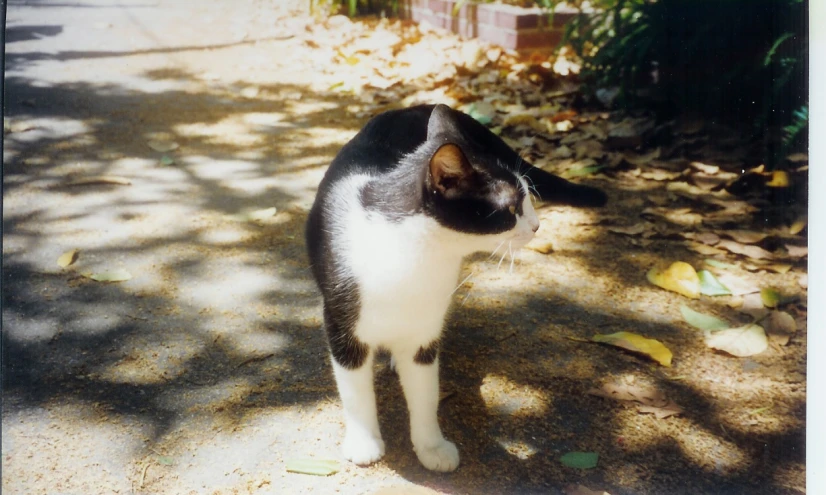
{"x":441,"y":121}
{"x":450,"y":171}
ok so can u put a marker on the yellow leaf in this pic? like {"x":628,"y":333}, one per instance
{"x":637,"y":343}
{"x":680,"y":277}
{"x":779,"y":179}
{"x":771,"y":298}
{"x":68,"y":258}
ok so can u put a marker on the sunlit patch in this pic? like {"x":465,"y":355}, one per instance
{"x":504,"y":397}
{"x":226,"y":170}
{"x":226,"y":235}
{"x":517,"y":448}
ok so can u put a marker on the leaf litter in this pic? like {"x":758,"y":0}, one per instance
{"x":652,"y":348}
{"x":647,"y":399}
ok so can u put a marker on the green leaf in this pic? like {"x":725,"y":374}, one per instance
{"x":482,"y":111}
{"x":770,"y":297}
{"x":702,"y":321}
{"x":316,"y":467}
{"x":580,"y":460}
{"x":710,"y":286}
{"x":165,"y":461}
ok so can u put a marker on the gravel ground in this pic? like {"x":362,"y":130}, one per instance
{"x":207,"y":370}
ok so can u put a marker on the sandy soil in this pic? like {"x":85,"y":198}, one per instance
{"x":207,"y":370}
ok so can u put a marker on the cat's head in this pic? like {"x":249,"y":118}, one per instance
{"x":469,"y":190}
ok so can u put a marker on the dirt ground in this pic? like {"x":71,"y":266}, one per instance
{"x":207,"y":370}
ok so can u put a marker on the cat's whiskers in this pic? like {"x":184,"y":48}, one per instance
{"x":462,"y":282}
{"x":510,"y":250}
{"x":497,"y":249}
{"x":504,"y":253}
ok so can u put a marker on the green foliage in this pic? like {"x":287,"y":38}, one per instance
{"x":354,"y":8}
{"x":734,"y":61}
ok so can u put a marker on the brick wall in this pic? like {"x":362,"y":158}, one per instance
{"x":517,"y":28}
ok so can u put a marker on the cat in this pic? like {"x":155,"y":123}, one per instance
{"x":412,"y":194}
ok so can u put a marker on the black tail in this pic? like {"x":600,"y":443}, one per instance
{"x":557,"y":190}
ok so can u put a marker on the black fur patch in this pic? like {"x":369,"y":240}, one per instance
{"x":427,"y":355}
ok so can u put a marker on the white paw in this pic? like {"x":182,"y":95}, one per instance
{"x":442,"y":457}
{"x":362,"y":449}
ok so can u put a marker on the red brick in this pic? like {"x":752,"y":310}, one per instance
{"x":538,"y":39}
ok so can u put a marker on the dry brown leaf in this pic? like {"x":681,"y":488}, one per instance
{"x":753,"y":306}
{"x":708,"y":238}
{"x":797,"y":251}
{"x":99,"y":180}
{"x":543,"y":247}
{"x":754,"y":252}
{"x":743,"y":341}
{"x":635,"y":229}
{"x":660,"y":175}
{"x":798,"y":157}
{"x":590,"y":148}
{"x":642,"y":394}
{"x":703,"y":249}
{"x":780,"y":326}
{"x":745,"y":236}
{"x":641,"y":160}
{"x":665,"y":411}
{"x":737,"y":285}
{"x":798,"y":225}
{"x":706,"y":169}
{"x":777,"y":267}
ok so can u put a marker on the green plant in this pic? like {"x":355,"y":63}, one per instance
{"x":357,"y":7}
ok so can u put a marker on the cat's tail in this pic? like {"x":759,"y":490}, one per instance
{"x":557,"y":190}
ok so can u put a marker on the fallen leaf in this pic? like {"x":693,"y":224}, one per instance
{"x":580,"y":460}
{"x":797,"y":251}
{"x":701,"y":320}
{"x":720,"y":264}
{"x":635,"y":229}
{"x":798,"y":157}
{"x":771,"y":298}
{"x":119,"y":275}
{"x":660,"y":175}
{"x":710,"y":286}
{"x":780,"y":326}
{"x":582,"y":490}
{"x":753,"y":306}
{"x":777,"y":267}
{"x":798,"y":225}
{"x":100,"y":180}
{"x":741,"y":342}
{"x":641,"y":160}
{"x":523,"y":119}
{"x":680,"y":277}
{"x":482,"y":111}
{"x":754,"y":252}
{"x":803,"y":281}
{"x":779,"y":178}
{"x":637,"y":343}
{"x":316,"y":467}
{"x":745,"y":236}
{"x":579,"y":172}
{"x":165,"y":460}
{"x":162,"y":146}
{"x":543,"y":247}
{"x":67,"y":258}
{"x":663,"y":412}
{"x":704,"y":249}
{"x":166,"y":161}
{"x":708,"y":238}
{"x":737,"y":285}
{"x":706,"y":169}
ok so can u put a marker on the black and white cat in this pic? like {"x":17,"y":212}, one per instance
{"x":402,"y":203}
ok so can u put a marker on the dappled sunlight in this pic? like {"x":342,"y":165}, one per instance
{"x":503,"y":397}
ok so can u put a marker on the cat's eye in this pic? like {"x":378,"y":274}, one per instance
{"x":512,"y":209}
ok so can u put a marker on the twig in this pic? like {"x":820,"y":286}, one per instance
{"x":143,"y":475}
{"x":98,"y":180}
{"x":506,"y":337}
{"x":255,"y":359}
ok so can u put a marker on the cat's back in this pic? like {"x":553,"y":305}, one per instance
{"x":376,"y":150}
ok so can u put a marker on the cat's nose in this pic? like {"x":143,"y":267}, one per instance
{"x":535,"y":227}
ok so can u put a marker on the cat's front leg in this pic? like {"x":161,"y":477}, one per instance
{"x":419,"y":376}
{"x":362,"y":440}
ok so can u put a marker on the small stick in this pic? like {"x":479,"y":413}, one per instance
{"x":255,"y":359}
{"x":506,"y":337}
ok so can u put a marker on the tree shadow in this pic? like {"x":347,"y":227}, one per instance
{"x":162,"y":350}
